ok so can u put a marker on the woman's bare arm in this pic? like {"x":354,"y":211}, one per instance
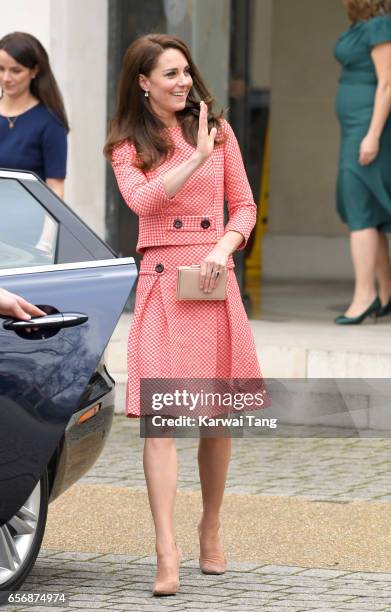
{"x":57,"y":185}
{"x":369,"y":148}
{"x":174,"y":179}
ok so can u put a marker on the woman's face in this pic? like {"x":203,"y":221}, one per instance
{"x":15,"y":78}
{"x":168,"y":83}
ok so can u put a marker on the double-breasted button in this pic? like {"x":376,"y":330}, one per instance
{"x":205,"y":223}
{"x":159,"y":268}
{"x":178,"y":224}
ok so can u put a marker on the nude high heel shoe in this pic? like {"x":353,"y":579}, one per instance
{"x":211,"y":562}
{"x":168,"y":585}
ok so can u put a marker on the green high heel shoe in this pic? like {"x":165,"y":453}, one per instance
{"x":372,"y":310}
{"x":385,"y":310}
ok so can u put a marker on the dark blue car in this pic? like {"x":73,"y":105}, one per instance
{"x":56,"y":396}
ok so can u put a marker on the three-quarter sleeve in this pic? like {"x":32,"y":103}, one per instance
{"x":143,"y":196}
{"x":242,"y":209}
{"x":378,"y":30}
{"x":54,"y":150}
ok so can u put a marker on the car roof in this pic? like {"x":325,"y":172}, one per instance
{"x":18,"y":174}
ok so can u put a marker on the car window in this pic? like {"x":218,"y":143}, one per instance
{"x":28,"y":233}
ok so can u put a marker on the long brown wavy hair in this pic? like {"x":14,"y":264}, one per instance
{"x":134,"y":120}
{"x":28,"y":51}
{"x":362,"y":10}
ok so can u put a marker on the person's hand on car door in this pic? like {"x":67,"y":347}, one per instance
{"x":15,"y":306}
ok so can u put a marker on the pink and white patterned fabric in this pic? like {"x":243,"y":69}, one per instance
{"x":201,"y":197}
{"x":186,"y":339}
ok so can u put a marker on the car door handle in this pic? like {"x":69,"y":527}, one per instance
{"x":57,"y":320}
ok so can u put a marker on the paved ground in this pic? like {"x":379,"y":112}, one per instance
{"x":348,"y":474}
{"x":114,"y":582}
{"x":330,"y":469}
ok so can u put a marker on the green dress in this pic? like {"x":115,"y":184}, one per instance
{"x":363,"y":192}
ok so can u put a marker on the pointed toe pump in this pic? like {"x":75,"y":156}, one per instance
{"x":372,"y":311}
{"x":169,"y":585}
{"x":211,"y":562}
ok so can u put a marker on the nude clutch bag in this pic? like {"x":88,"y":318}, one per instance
{"x":188,"y":285}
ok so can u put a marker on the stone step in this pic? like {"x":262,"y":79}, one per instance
{"x":308,"y":350}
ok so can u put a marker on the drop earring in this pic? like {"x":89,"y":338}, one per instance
{"x":146,"y":93}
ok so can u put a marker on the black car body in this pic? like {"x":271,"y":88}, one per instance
{"x":56,"y":396}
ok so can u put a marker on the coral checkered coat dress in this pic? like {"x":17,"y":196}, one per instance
{"x":186,"y":339}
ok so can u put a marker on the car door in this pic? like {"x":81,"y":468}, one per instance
{"x":51,"y":258}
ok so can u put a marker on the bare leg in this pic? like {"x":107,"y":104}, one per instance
{"x":364,"y":247}
{"x":383,"y":269}
{"x":161,"y":473}
{"x":213,"y":460}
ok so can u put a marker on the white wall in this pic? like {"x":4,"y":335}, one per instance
{"x":78,"y":43}
{"x":75,"y":35}
{"x":27,"y":16}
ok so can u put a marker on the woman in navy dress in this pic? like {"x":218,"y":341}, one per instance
{"x":33,"y":122}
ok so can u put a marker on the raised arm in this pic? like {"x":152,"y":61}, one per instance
{"x":177,"y":177}
{"x":149,"y":197}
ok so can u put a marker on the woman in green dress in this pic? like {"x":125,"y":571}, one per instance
{"x":364,"y":177}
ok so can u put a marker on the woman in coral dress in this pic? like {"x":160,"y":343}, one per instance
{"x":174,"y":161}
